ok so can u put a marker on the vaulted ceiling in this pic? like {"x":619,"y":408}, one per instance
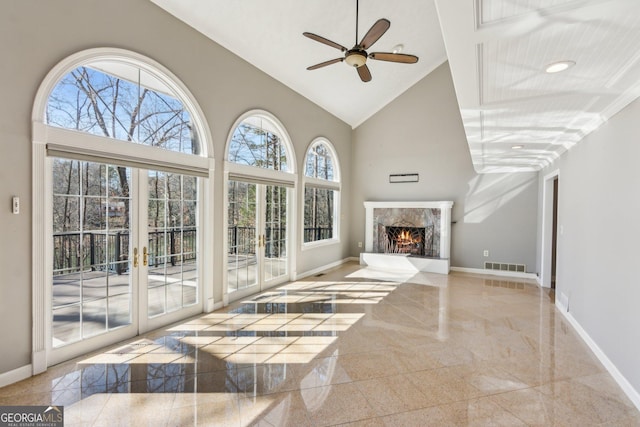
{"x":517,"y":117}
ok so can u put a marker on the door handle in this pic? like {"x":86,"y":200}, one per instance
{"x":145,"y":256}
{"x":135,"y":257}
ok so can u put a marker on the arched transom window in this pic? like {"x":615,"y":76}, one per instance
{"x":258,"y":142}
{"x":123,"y":102}
{"x":321,"y":192}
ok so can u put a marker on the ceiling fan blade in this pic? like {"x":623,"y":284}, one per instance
{"x":394,"y":57}
{"x":364,"y":73}
{"x":325,"y":63}
{"x":375,"y":32}
{"x":324,"y":41}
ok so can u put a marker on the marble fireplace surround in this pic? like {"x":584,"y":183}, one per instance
{"x":371,"y":257}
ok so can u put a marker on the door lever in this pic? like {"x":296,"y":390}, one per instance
{"x":145,"y":256}
{"x":135,"y":257}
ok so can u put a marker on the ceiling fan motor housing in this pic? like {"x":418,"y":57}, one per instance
{"x":356,"y":57}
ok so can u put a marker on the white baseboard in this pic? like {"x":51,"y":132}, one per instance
{"x":560,"y":305}
{"x":16,"y":375}
{"x":38,"y":362}
{"x":514,"y":274}
{"x":323,"y":268}
{"x":628,"y":389}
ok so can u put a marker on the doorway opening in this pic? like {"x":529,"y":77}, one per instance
{"x":554,"y":233}
{"x":551,"y":230}
{"x":119,"y":153}
{"x":260,"y":184}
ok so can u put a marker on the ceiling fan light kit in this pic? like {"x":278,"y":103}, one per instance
{"x":357,"y":56}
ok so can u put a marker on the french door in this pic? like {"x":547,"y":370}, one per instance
{"x":257,"y":255}
{"x":125,"y":253}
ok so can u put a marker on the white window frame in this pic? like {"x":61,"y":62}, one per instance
{"x":69,"y":142}
{"x":254,"y":174}
{"x":335,"y":185}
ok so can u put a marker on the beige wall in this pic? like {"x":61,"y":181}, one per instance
{"x":35,"y":35}
{"x":598,"y":250}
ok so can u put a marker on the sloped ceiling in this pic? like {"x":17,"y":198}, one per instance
{"x":516,"y":116}
{"x":268,"y":34}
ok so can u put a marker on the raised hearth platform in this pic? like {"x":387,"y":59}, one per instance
{"x":405,"y":262}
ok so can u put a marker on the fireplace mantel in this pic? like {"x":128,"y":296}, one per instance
{"x":373,"y":256}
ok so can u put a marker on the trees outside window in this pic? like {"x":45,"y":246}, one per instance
{"x":100,"y":103}
{"x":254,"y":144}
{"x":120,"y":107}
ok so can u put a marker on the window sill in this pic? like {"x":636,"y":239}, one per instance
{"x":319,"y":244}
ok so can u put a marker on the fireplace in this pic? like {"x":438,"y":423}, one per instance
{"x":413,"y":235}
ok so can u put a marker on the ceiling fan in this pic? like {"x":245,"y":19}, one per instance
{"x":357,"y":56}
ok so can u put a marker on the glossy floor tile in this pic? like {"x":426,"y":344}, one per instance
{"x":354,"y":346}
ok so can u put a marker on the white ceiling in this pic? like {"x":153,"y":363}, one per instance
{"x":497,"y":50}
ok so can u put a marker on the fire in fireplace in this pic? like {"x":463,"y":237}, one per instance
{"x":408,"y":240}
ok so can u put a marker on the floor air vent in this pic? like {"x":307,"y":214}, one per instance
{"x":503,"y":266}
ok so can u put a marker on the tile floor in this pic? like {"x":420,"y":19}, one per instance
{"x":356,"y":347}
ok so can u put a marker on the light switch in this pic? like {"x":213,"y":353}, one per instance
{"x":16,"y":205}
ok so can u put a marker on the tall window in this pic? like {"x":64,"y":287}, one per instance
{"x":92,"y":201}
{"x":321,"y":193}
{"x":261,"y":173}
{"x":117,"y":166}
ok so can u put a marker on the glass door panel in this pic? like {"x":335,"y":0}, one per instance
{"x":275,"y":243}
{"x":242,"y":262}
{"x":125,"y":250}
{"x":172,"y":251}
{"x":92,"y":287}
{"x":257,"y":237}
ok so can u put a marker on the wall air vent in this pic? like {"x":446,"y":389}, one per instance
{"x":503,"y":266}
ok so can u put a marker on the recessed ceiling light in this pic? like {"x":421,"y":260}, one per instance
{"x":556,"y":67}
{"x":397,"y":48}
{"x":517,"y":147}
